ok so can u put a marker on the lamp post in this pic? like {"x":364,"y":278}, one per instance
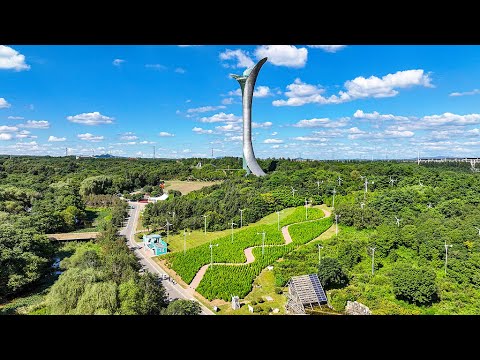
{"x":241,"y":217}
{"x":211,"y":252}
{"x":306,"y":208}
{"x":185,"y":240}
{"x":362,"y":205}
{"x":205,"y":218}
{"x":233,"y":224}
{"x":333,"y":201}
{"x":263,"y":240}
{"x":320,"y":247}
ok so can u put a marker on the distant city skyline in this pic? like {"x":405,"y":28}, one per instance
{"x":311,"y":101}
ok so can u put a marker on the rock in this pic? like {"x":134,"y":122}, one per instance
{"x":268,"y":298}
{"x":276,"y":311}
{"x":250,"y":308}
{"x":356,"y":308}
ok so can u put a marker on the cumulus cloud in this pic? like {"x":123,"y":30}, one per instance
{"x":309,"y":138}
{"x":52,"y":138}
{"x":129,"y":136}
{"x":11,"y":59}
{"x":118,"y":62}
{"x":93,"y":118}
{"x":25,"y":134}
{"x":328,"y":48}
{"x":34,"y":124}
{"x":235,"y":138}
{"x":451,"y":119}
{"x":283,"y":55}
{"x":145,"y":142}
{"x":15,"y":118}
{"x":221,"y":117}
{"x":165,"y":134}
{"x":300,"y":93}
{"x":241,"y":58}
{"x":264,"y":125}
{"x":228,"y":127}
{"x":4,"y":103}
{"x":199,"y":130}
{"x":180,"y":70}
{"x":4,"y":136}
{"x":272,"y":141}
{"x":203,"y":109}
{"x":90,"y":137}
{"x":322,"y":122}
{"x":6,"y":128}
{"x":227,"y":101}
{"x":473,"y":92}
{"x":275,"y":146}
{"x":359,"y":114}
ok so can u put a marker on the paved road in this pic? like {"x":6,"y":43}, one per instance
{"x":174,"y":291}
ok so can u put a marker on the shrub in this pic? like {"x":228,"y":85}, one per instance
{"x":414,"y":285}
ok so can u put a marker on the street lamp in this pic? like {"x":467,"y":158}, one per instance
{"x":446,"y":255}
{"x":205,"y":217}
{"x":320,"y":247}
{"x":233,"y":224}
{"x":211,"y":252}
{"x":185,"y":240}
{"x":263,"y":240}
{"x":241,"y":217}
{"x":306,"y":208}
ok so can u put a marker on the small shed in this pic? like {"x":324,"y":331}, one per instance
{"x":154,"y":244}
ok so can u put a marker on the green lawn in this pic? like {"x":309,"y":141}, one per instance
{"x":198,"y":237}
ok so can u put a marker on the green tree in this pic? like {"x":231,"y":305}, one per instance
{"x":331,"y":274}
{"x":154,"y":295}
{"x":414,"y":285}
{"x":183,"y":307}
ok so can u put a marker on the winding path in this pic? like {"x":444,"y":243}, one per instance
{"x":249,"y":252}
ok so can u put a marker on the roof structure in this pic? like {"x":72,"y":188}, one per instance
{"x":305,"y":290}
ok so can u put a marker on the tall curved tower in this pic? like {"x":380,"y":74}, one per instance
{"x":247,"y":84}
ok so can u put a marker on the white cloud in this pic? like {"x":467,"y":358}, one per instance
{"x":322,"y":122}
{"x":12,"y":59}
{"x":274,"y":133}
{"x":273,"y":141}
{"x":145,"y":142}
{"x":359,"y":114}
{"x":90,"y":137}
{"x":283,"y":55}
{"x":129,"y":136}
{"x":165,"y":134}
{"x":158,"y":67}
{"x":15,"y":118}
{"x":52,"y":138}
{"x":301,"y":93}
{"x":221,"y":117}
{"x":6,"y":128}
{"x":4,"y":103}
{"x":186,"y":151}
{"x":199,"y":130}
{"x":34,"y":124}
{"x":309,"y":138}
{"x":236,"y":138}
{"x":328,"y":48}
{"x":25,"y":134}
{"x":203,"y":109}
{"x":275,"y":146}
{"x":473,"y":92}
{"x":118,"y":62}
{"x":227,"y":101}
{"x":262,"y":91}
{"x":93,"y":118}
{"x":264,"y":125}
{"x":228,"y":127}
{"x":4,"y":136}
{"x":180,"y":70}
{"x":241,"y":58}
{"x":451,"y":119}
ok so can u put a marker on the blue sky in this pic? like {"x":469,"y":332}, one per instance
{"x":313,"y":101}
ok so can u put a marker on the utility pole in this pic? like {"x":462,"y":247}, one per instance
{"x":233,"y":224}
{"x":373,"y":258}
{"x":211,"y":253}
{"x":263,"y":240}
{"x":446,"y":255}
{"x":320,"y":247}
{"x":185,"y":241}
{"x":241,"y":217}
{"x":205,"y":217}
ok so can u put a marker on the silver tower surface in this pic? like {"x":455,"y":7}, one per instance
{"x":247,"y":84}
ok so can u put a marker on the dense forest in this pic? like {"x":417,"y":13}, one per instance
{"x":435,"y":204}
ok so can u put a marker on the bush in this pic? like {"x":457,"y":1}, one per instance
{"x":331,"y":274}
{"x":414,"y":285}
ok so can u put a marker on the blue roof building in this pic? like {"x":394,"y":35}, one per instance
{"x":154,"y":244}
